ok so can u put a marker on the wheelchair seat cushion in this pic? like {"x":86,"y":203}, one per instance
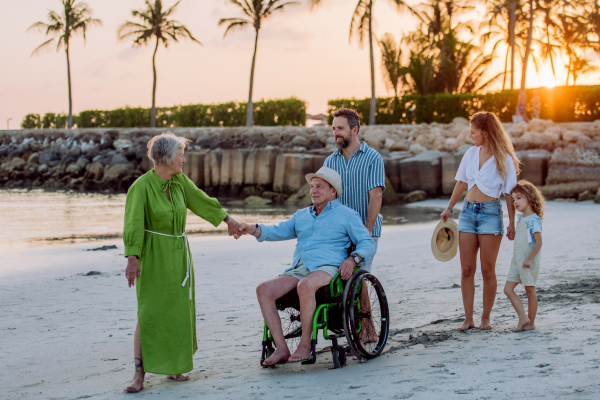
{"x":291,"y":299}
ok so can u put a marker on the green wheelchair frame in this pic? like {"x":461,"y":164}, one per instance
{"x":340,"y":315}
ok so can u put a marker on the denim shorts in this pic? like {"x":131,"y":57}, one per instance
{"x":481,"y":218}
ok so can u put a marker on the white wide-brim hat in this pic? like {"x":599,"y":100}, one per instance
{"x":330,"y":176}
{"x":444,"y":241}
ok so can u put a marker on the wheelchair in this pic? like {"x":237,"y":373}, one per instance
{"x":356,"y":309}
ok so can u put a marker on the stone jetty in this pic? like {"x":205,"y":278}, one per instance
{"x":261,"y":165}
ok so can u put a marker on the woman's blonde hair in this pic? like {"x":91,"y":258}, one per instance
{"x":163,"y":148}
{"x":534,"y":197}
{"x":500,"y":142}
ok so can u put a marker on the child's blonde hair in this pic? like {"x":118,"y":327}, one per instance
{"x":500,"y":142}
{"x":535,"y":198}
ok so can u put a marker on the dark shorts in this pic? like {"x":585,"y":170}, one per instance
{"x":481,"y":218}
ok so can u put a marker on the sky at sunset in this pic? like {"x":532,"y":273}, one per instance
{"x":301,"y":53}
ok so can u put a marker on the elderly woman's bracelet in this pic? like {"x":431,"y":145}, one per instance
{"x":255,"y":229}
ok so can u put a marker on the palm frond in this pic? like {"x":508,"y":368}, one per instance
{"x":43,"y":46}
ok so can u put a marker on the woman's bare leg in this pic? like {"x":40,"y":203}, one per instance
{"x":489,"y":245}
{"x":137,"y":383}
{"x":468,"y":246}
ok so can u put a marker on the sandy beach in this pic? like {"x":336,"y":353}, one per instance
{"x":68,"y":335}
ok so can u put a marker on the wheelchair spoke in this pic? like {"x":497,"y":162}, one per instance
{"x":290,"y":324}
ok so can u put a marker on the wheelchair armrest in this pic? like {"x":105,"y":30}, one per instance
{"x":336,"y":287}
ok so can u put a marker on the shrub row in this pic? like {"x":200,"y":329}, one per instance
{"x":290,"y":111}
{"x":560,"y":104}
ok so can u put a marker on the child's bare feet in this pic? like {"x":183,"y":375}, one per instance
{"x":521,"y":325}
{"x":485,"y":324}
{"x":466,"y":325}
{"x":529,"y":326}
{"x":179,"y":378}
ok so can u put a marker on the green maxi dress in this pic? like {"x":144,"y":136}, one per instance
{"x":166,"y":304}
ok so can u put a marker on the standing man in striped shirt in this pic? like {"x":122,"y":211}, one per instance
{"x":362,"y":172}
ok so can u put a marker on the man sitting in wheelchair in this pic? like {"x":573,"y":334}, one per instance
{"x":325,"y":232}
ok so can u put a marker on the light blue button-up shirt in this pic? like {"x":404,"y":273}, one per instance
{"x":323,"y":239}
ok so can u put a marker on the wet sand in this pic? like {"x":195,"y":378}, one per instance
{"x":67,"y":335}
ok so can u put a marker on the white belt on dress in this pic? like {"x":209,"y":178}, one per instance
{"x":187,"y":254}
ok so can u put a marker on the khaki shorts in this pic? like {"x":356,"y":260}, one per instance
{"x":300,"y":271}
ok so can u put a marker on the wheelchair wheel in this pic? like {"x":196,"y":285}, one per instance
{"x":339,"y":357}
{"x":292,"y":330}
{"x":366,"y":315}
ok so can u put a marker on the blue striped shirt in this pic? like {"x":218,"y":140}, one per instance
{"x":363,"y":172}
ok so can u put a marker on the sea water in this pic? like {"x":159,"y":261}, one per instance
{"x":37,"y":217}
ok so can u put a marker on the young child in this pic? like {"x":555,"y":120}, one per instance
{"x":525,"y":264}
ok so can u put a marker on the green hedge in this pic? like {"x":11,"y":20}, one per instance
{"x":560,"y":104}
{"x":266,"y":113}
{"x":31,"y":121}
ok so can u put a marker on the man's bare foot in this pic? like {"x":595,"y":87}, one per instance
{"x":302,"y":353}
{"x":179,"y":378}
{"x":280,"y":355}
{"x":521,"y":325}
{"x":529,"y":326}
{"x":485,"y":324}
{"x":466,"y":325}
{"x":137,"y":384}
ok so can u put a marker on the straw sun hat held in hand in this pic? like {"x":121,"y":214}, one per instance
{"x":444,"y":241}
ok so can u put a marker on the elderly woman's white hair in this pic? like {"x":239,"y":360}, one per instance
{"x":163,"y":148}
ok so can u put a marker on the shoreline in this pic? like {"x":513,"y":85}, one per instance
{"x":68,"y":335}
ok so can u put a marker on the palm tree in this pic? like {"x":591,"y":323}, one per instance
{"x":391,"y":64}
{"x":509,"y":11}
{"x":154,"y":23}
{"x":421,"y":72}
{"x":579,"y":65}
{"x":76,"y":17}
{"x":528,"y":44}
{"x":361,"y":26}
{"x":256,"y":11}
{"x":548,"y":47}
{"x":572,"y":34}
{"x":501,"y":25}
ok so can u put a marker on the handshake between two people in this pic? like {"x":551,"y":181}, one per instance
{"x":237,"y":229}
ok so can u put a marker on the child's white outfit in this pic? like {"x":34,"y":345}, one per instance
{"x":524,"y":242}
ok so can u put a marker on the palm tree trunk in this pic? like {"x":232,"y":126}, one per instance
{"x":512,"y":16}
{"x":568,"y":72}
{"x":505,"y":68}
{"x":528,"y":46}
{"x":70,"y":123}
{"x":250,"y":106}
{"x":550,"y":53}
{"x":153,"y":110}
{"x":373,"y":99}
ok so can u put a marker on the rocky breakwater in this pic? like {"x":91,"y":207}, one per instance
{"x":264,"y":165}
{"x":91,"y":161}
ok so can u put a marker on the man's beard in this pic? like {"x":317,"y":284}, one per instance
{"x":344,"y":143}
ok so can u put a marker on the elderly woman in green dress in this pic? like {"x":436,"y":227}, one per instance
{"x":159,"y":261}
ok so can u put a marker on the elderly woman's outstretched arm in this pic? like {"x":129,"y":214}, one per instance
{"x":207,"y":208}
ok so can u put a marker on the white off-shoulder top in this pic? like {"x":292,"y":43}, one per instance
{"x":487,"y":178}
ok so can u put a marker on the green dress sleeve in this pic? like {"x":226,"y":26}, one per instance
{"x":133,"y":230}
{"x":199,"y":203}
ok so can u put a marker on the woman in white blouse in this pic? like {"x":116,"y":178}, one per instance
{"x":486,"y":170}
